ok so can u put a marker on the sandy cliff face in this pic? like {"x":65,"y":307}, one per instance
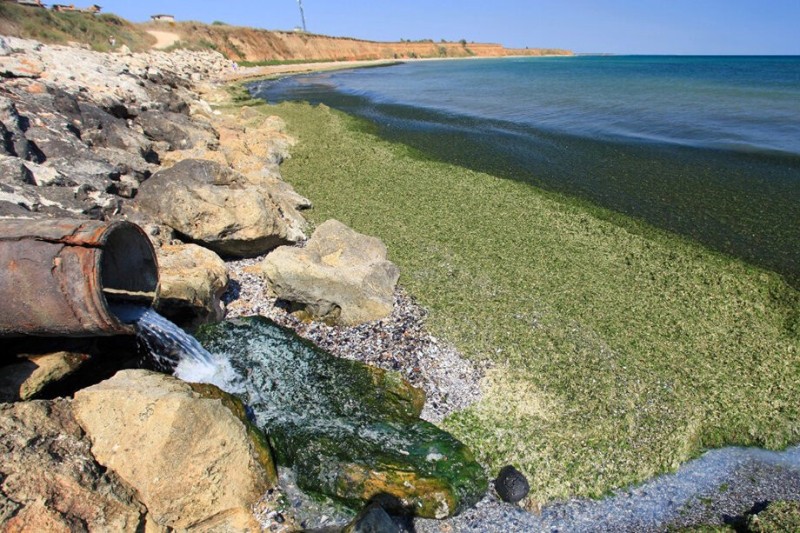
{"x":247,"y":44}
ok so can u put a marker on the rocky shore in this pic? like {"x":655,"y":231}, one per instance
{"x":136,"y":137}
{"x":92,"y":441}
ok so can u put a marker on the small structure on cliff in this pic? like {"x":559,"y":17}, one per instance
{"x":163,"y":18}
{"x":30,"y":3}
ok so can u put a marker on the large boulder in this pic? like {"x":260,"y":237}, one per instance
{"x":49,"y":480}
{"x":216,"y":207}
{"x":341,"y":276}
{"x":192,"y":280}
{"x":191,"y":461}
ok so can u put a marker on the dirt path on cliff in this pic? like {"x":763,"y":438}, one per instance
{"x":164,"y":39}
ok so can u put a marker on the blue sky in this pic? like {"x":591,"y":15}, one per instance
{"x":614,"y":26}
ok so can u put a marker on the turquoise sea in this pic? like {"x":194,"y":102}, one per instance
{"x":708,"y":147}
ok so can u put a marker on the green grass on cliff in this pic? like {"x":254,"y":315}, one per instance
{"x":618,"y":351}
{"x":60,"y":28}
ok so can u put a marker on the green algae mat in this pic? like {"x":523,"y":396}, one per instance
{"x":618,"y":351}
{"x":347,"y":429}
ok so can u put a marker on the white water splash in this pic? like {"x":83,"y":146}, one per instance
{"x":172,"y":348}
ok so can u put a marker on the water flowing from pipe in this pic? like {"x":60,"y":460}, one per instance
{"x":172,"y":348}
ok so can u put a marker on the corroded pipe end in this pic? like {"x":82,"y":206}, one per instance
{"x":61,"y":277}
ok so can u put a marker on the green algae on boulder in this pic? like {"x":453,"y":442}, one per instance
{"x":348,"y":430}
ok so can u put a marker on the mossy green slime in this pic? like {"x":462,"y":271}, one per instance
{"x":619,"y":350}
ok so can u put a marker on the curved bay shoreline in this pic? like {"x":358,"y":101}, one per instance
{"x":452,"y":381}
{"x":356,"y":211}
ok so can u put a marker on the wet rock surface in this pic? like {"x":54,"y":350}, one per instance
{"x":399,"y":342}
{"x":347,"y":429}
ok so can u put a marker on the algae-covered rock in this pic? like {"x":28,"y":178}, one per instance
{"x":348,"y":430}
{"x":778,"y":516}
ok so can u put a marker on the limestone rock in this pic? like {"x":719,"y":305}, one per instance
{"x":192,"y":280}
{"x":189,"y":458}
{"x":348,"y":430}
{"x":341,"y":276}
{"x":13,"y":169}
{"x":16,"y":66}
{"x":25,"y":379}
{"x":216,"y":207}
{"x":49,"y":480}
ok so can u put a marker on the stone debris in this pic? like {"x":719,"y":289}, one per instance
{"x":91,"y":135}
{"x":399,"y":342}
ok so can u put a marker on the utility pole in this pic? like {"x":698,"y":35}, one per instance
{"x":302,"y":15}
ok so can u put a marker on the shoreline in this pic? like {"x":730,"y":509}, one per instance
{"x":247,"y":74}
{"x":701,"y":191}
{"x":326,"y":206}
{"x":562,"y":389}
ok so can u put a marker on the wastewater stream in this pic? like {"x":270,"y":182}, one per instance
{"x":719,"y":486}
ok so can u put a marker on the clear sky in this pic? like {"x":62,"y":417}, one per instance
{"x":614,"y":26}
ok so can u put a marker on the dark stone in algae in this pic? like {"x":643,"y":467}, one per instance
{"x":511,"y":485}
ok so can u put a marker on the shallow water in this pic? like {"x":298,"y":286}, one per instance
{"x":706,"y":147}
{"x":721,"y":485}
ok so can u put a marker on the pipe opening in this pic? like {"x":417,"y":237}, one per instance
{"x":128,"y":268}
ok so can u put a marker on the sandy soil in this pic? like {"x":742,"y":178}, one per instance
{"x":164,"y":39}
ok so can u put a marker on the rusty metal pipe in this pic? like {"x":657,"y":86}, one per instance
{"x":58,"y":277}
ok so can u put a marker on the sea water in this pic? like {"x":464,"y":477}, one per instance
{"x":708,"y":147}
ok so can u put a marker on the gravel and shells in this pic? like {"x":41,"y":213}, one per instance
{"x":714,"y":489}
{"x":399,"y":342}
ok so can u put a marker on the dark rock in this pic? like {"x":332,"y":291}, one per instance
{"x":372,"y":519}
{"x":102,"y":129}
{"x":56,"y":143}
{"x":10,"y":209}
{"x":14,"y":128}
{"x":86,"y":169}
{"x":178,"y":130}
{"x":119,"y":109}
{"x":511,"y":485}
{"x":6,"y":141}
{"x":13,"y":169}
{"x":348,"y":430}
{"x":66,"y":104}
{"x":127,"y":163}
